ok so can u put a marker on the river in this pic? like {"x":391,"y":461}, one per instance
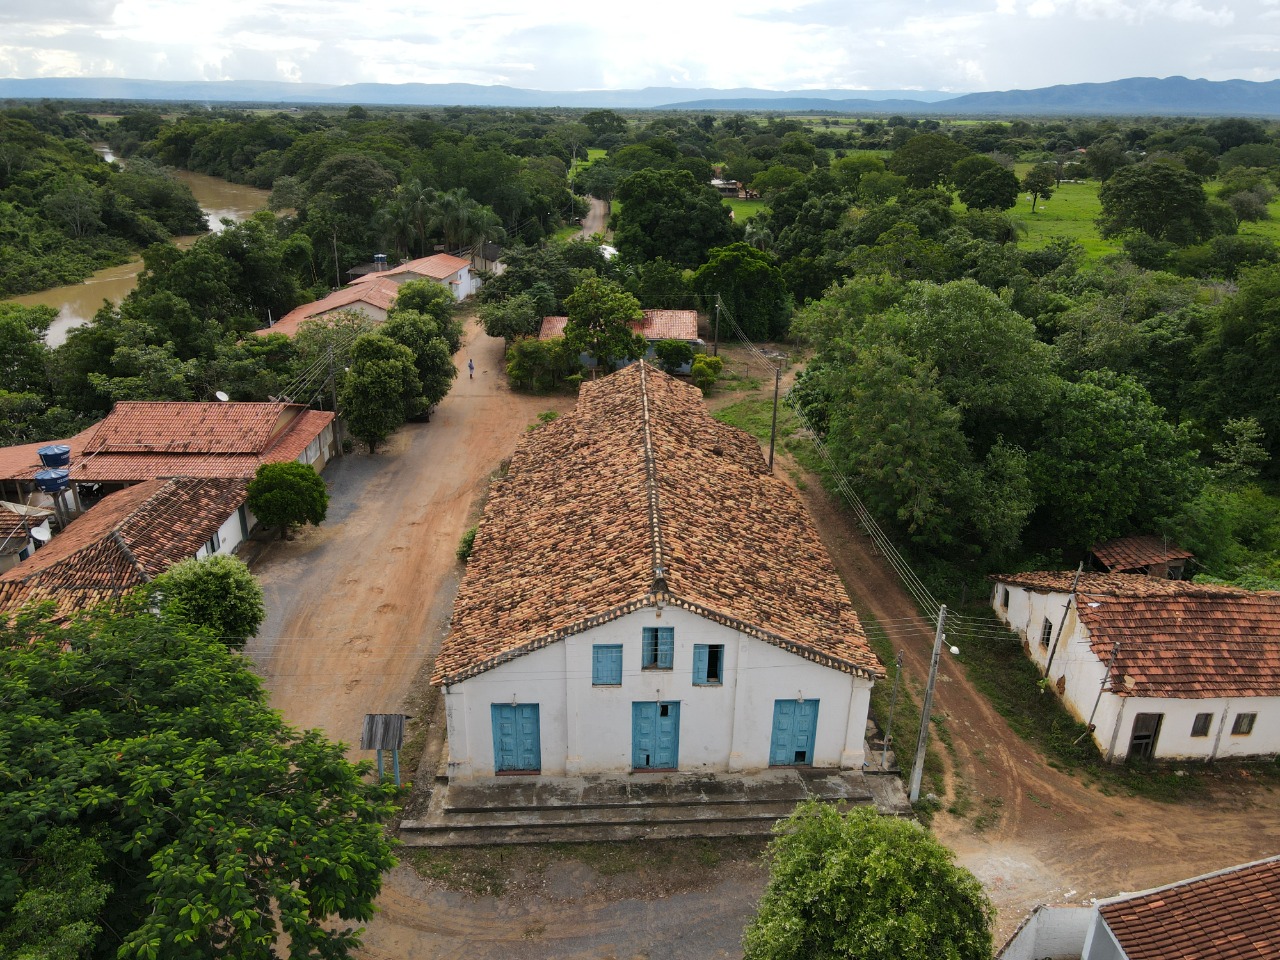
{"x":78,"y":302}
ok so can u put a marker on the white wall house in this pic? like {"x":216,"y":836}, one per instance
{"x":455,"y":273}
{"x":1229,"y":914}
{"x":1162,"y":669}
{"x":644,"y":596}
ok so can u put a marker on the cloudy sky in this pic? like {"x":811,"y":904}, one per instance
{"x":953,"y":45}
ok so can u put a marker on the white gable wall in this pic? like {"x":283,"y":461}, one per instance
{"x":1113,"y":719}
{"x":587,"y":729}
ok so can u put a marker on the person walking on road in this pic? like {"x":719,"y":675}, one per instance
{"x":471,"y":369}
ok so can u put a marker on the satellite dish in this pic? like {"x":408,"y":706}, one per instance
{"x":42,"y":534}
{"x":224,"y":397}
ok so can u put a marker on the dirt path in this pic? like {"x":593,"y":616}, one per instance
{"x":597,"y":218}
{"x":1051,"y":838}
{"x":356,"y":605}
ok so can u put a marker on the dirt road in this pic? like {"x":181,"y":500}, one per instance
{"x":357,"y":606}
{"x":597,"y":218}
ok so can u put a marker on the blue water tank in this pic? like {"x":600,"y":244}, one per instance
{"x":51,"y":481}
{"x":57,"y":455}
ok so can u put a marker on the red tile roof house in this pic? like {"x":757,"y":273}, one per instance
{"x":372,"y":299}
{"x":145,"y":440}
{"x":1144,"y":553}
{"x":643,"y":595}
{"x":1233,"y":914}
{"x":454,"y":272}
{"x":656,"y":325}
{"x":128,"y":539}
{"x":1164,"y":669}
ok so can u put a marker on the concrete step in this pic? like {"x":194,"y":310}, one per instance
{"x":586,"y":833}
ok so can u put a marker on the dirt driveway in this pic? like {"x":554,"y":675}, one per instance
{"x":357,"y":606}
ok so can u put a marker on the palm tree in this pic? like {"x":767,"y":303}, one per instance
{"x":449,"y":214}
{"x":482,"y":226}
{"x":418,"y":198}
{"x":395,"y":224}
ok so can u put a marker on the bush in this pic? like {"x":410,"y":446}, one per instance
{"x":673,"y":355}
{"x":468,"y":540}
{"x":217,"y":593}
{"x":705,"y":372}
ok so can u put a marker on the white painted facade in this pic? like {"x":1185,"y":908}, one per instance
{"x":724,"y":727}
{"x":1050,"y":933}
{"x":1077,"y":674}
{"x":374,"y":313}
{"x":233,"y":532}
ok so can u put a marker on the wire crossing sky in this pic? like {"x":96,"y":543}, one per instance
{"x":948,"y":45}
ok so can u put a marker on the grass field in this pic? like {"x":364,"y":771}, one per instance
{"x":744,"y":210}
{"x":1070,"y":213}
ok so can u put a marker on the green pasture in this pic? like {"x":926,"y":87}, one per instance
{"x":744,"y":210}
{"x":1070,"y":213}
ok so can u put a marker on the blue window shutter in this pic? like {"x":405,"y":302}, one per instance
{"x":606,"y":664}
{"x":700,"y":656}
{"x":666,"y":647}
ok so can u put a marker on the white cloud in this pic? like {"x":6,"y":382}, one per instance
{"x":792,"y":44}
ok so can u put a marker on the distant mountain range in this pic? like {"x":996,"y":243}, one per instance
{"x":1176,"y":96}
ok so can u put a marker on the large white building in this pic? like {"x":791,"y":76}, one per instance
{"x":643,"y":595}
{"x":1163,"y":669}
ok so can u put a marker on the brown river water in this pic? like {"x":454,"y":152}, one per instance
{"x":78,"y":302}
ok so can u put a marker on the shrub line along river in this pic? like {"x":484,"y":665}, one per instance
{"x":78,"y":302}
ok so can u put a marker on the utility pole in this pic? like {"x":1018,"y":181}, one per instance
{"x":715,"y":337}
{"x":917,"y":771}
{"x":1075,"y":581}
{"x":773,"y":431}
{"x":337,"y":269}
{"x":333,"y":392}
{"x":893,"y":702}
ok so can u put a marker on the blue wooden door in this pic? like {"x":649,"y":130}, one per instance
{"x":517,"y":741}
{"x":795,"y":723}
{"x":655,"y":735}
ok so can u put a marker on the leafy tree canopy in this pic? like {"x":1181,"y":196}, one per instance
{"x":216,"y":593}
{"x":861,"y":886}
{"x":666,"y":213}
{"x":159,"y":808}
{"x":380,"y":389}
{"x":281,"y":494}
{"x":601,"y":315}
{"x":926,"y":159}
{"x":1164,"y":201}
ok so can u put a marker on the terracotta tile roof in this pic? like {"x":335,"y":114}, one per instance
{"x":128,"y":539}
{"x":1176,"y":638}
{"x":656,"y":325}
{"x":441,"y":266}
{"x":1132,"y":554}
{"x":1230,"y":915}
{"x":144,"y":440}
{"x":640,"y":495}
{"x":670,"y":325}
{"x":380,"y":292}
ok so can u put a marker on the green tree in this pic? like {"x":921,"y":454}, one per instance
{"x":540,"y":365}
{"x":432,"y":358}
{"x":927,"y":159}
{"x":55,"y":915}
{"x":1163,"y":201}
{"x":1039,"y":182}
{"x":380,"y":388}
{"x":1107,"y":462}
{"x":433,"y":300}
{"x":673,"y":355}
{"x":1104,"y":157}
{"x":220,"y":829}
{"x":216,"y":593}
{"x":706,"y":371}
{"x":517,"y":316}
{"x":666,"y":213}
{"x":282,"y":494}
{"x":601,"y":315}
{"x":983,"y":184}
{"x":861,"y":886}
{"x":751,"y":288}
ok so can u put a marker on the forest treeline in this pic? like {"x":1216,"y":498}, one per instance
{"x":997,"y":405}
